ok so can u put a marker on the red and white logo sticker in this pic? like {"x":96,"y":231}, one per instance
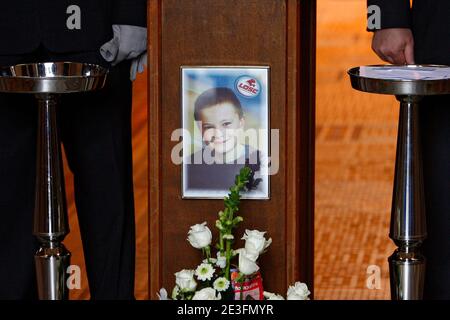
{"x":248,"y":86}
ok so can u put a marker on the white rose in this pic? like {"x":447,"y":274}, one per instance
{"x":255,"y":241}
{"x":272,"y":296}
{"x":247,"y":262}
{"x":206,"y":294}
{"x":299,"y":291}
{"x":221,"y":261}
{"x":199,"y":236}
{"x":185,"y":280}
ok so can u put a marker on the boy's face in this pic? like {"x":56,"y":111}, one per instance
{"x":220,"y":126}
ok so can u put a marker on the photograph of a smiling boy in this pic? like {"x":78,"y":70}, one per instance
{"x":219,"y":115}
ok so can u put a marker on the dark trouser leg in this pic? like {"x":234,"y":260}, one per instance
{"x":96,"y":132}
{"x":435,"y":121}
{"x":18,"y":125}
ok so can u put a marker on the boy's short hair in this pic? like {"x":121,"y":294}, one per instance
{"x":215,"y":96}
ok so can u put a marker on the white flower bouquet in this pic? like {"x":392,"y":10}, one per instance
{"x":217,"y":278}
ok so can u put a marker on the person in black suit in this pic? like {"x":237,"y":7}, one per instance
{"x":421,"y":35}
{"x":95,"y":129}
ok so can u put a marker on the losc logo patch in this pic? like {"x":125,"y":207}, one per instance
{"x":248,"y":86}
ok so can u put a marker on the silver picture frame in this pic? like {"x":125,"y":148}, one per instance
{"x":255,"y":106}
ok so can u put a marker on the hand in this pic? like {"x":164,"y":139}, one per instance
{"x":138,"y":66}
{"x":129,"y":43}
{"x":395,"y":45}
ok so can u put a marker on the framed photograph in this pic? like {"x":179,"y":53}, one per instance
{"x":225,"y":115}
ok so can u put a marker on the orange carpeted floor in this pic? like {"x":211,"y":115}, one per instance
{"x":356,"y":136}
{"x":356,"y":140}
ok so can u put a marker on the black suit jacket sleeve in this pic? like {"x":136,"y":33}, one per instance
{"x":394,"y":13}
{"x":130,"y":12}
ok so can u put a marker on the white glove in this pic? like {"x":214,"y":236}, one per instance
{"x":138,"y":65}
{"x":129,"y":43}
